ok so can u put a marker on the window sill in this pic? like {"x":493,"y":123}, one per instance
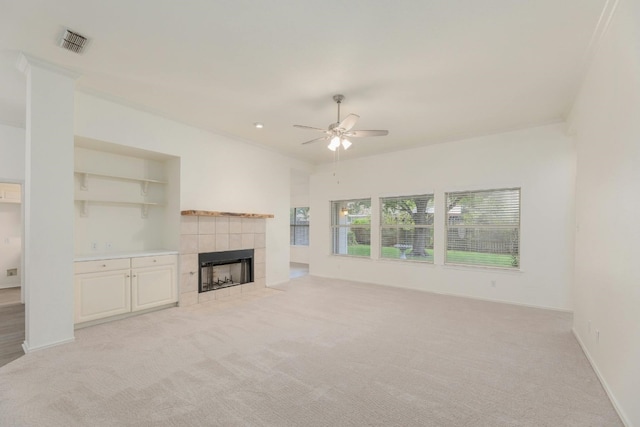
{"x":405,"y":261}
{"x":482,"y":268}
{"x":352,"y":256}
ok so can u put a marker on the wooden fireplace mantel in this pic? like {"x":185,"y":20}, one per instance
{"x":215,"y":213}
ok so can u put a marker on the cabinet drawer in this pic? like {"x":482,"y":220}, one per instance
{"x":101,"y":265}
{"x":150,"y":261}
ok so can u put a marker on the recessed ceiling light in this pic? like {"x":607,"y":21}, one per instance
{"x":258,"y":125}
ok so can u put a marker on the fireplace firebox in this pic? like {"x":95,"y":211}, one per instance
{"x":224,"y":269}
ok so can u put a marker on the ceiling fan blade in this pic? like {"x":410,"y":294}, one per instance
{"x":314,"y":140}
{"x":349,"y":122}
{"x":365,"y":133}
{"x":309,"y":127}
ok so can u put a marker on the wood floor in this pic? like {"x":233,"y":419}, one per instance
{"x":9,"y":296}
{"x":11,"y":332}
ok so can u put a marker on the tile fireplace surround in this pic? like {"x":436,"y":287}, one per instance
{"x":208,"y":231}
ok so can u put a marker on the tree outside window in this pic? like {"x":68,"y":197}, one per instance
{"x":406,"y":227}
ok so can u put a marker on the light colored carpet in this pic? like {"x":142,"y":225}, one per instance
{"x":317,"y":352}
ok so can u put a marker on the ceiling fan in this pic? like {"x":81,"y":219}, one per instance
{"x":338,"y":132}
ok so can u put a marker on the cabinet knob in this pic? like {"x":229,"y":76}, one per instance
{"x":104,"y":265}
{"x":128,"y":275}
{"x":155,"y":260}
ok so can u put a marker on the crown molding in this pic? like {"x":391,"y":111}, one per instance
{"x":25,"y":62}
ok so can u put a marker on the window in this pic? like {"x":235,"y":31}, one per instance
{"x":351,"y":227}
{"x":299,"y":228}
{"x":406,"y":227}
{"x":483,"y":228}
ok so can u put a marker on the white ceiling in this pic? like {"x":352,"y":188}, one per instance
{"x":427,"y":70}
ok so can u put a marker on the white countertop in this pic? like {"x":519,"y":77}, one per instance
{"x":130,"y":254}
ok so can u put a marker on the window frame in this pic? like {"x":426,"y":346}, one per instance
{"x":448,"y":227}
{"x":293,"y":225}
{"x":398,"y":227}
{"x":335,"y":213}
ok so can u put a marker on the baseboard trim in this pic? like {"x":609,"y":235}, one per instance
{"x":27,"y":349}
{"x":604,"y":384}
{"x":450,"y":294}
{"x":520,"y":304}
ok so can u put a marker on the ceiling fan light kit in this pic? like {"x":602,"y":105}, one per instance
{"x":338,"y":132}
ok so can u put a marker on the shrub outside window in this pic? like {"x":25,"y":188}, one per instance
{"x":299,"y":228}
{"x":406,"y":227}
{"x":483,"y":228}
{"x":351,"y":227}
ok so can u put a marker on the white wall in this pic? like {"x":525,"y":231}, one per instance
{"x":12,"y":149}
{"x":606,"y":120}
{"x":218,"y":173}
{"x":539,"y":160}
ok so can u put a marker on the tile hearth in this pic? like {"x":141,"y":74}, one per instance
{"x":203,"y":231}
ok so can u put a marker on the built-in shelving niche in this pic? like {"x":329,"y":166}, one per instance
{"x":144,"y":183}
{"x":110,"y":181}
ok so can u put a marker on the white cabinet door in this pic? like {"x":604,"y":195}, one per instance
{"x":102,"y":294}
{"x":153,"y":287}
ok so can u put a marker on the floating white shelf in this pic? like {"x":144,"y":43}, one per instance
{"x":143,"y":205}
{"x":143,"y":181}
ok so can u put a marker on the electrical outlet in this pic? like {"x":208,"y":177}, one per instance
{"x":94,"y":246}
{"x":108,"y":245}
{"x":493,"y":283}
{"x":12,"y":272}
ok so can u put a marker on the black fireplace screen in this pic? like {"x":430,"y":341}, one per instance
{"x":224,"y":269}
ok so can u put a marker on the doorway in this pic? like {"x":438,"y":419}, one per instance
{"x":12,"y":318}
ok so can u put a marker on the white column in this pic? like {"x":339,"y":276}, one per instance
{"x":48,"y":204}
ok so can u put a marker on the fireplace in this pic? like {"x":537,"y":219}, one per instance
{"x":225,"y":269}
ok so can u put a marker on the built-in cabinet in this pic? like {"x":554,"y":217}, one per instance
{"x":153,"y":282}
{"x":111,"y":287}
{"x":126,"y":230}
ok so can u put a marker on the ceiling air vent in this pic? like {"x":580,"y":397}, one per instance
{"x":73,"y":41}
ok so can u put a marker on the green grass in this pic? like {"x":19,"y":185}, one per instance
{"x":480,"y":258}
{"x":359,"y":250}
{"x":394,"y":253}
{"x":387,"y":252}
{"x":455,"y":257}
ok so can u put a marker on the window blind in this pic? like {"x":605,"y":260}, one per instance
{"x":483,"y":228}
{"x":299,"y":226}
